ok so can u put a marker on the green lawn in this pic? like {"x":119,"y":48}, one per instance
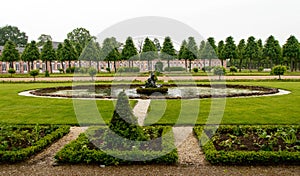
{"x":284,"y":109}
{"x":32,"y":110}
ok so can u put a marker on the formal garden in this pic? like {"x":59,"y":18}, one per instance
{"x":255,"y":130}
{"x":85,"y":103}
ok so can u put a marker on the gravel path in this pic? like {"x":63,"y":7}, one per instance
{"x":46,"y":157}
{"x":140,"y":110}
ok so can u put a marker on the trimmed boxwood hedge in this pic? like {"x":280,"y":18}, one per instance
{"x":244,"y":157}
{"x":149,"y":91}
{"x":78,"y":152}
{"x":25,"y":153}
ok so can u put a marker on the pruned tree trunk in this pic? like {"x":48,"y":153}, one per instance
{"x":185,"y":60}
{"x":240,"y":65}
{"x":98,"y":70}
{"x":28,"y":66}
{"x":115,"y":66}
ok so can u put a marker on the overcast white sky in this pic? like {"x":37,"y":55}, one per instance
{"x":217,"y":18}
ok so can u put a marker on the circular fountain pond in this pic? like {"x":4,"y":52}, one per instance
{"x":174,"y":91}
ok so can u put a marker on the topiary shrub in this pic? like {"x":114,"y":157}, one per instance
{"x":159,"y":66}
{"x":70,"y":70}
{"x":47,"y":73}
{"x":11,"y":71}
{"x":175,"y":69}
{"x":219,"y":70}
{"x":34,"y":73}
{"x":207,"y":69}
{"x":92,"y":72}
{"x":278,"y":70}
{"x":196,"y":70}
{"x":233,"y":69}
{"x":124,"y":123}
{"x":260,"y":69}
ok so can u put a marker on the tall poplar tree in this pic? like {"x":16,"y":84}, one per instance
{"x":48,"y":54}
{"x":251,"y":51}
{"x":229,"y":50}
{"x":291,"y":51}
{"x":129,"y":51}
{"x":149,"y":52}
{"x":30,"y":54}
{"x":168,"y":51}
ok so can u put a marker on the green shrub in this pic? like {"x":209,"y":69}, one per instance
{"x":61,"y":70}
{"x":240,"y":157}
{"x":196,"y":70}
{"x":80,"y":151}
{"x":175,"y":69}
{"x":92,"y":72}
{"x":128,"y":69}
{"x":47,"y":73}
{"x":25,"y":153}
{"x":159,"y":66}
{"x":11,"y":71}
{"x":123,"y":122}
{"x":207,"y":69}
{"x":260,"y":69}
{"x":149,"y":91}
{"x":220,"y":71}
{"x":70,"y":70}
{"x":233,"y":69}
{"x":34,"y":73}
{"x":278,"y":70}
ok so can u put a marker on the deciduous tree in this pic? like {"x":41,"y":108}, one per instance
{"x":10,"y":53}
{"x":12,"y":33}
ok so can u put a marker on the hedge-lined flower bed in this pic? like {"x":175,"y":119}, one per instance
{"x":19,"y":142}
{"x":254,"y":145}
{"x":99,"y":145}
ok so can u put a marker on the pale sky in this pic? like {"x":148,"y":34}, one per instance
{"x":216,"y":18}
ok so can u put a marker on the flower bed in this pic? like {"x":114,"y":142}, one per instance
{"x":99,"y":145}
{"x":18,"y":143}
{"x":255,"y":145}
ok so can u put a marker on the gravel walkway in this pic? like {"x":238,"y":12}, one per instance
{"x":46,"y":157}
{"x":140,"y":110}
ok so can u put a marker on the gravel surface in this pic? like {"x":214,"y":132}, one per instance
{"x":140,"y":110}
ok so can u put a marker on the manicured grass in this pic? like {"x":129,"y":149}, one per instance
{"x":17,"y":109}
{"x":284,"y":109}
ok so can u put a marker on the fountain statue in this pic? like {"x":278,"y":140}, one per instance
{"x":151,"y":87}
{"x":151,"y":82}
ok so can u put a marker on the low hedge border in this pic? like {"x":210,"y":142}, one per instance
{"x":77,"y":152}
{"x":23,"y":154}
{"x":244,"y":157}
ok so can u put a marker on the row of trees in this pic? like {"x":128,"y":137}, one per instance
{"x":81,"y":45}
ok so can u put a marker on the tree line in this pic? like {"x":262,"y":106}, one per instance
{"x":82,"y":46}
